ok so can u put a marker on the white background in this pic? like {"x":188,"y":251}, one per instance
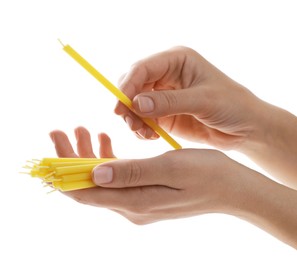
{"x":42,"y":89}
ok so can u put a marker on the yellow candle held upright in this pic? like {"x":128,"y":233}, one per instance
{"x":119,"y":94}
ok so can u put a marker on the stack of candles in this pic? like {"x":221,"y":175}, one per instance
{"x":65,"y":174}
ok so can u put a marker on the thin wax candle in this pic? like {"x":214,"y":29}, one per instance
{"x":119,"y":94}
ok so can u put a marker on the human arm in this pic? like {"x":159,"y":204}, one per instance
{"x":273,"y":145}
{"x":185,"y":183}
{"x":192,"y":99}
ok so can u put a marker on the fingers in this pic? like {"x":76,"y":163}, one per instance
{"x":62,"y":144}
{"x":169,"y":102}
{"x":139,"y":127}
{"x":144,"y":74}
{"x":161,"y":170}
{"x":141,"y":73}
{"x":160,"y":86}
{"x":84,"y":144}
{"x":105,"y":149}
{"x":166,"y":103}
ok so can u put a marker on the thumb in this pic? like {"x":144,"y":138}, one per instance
{"x":132,"y":173}
{"x":168,"y":102}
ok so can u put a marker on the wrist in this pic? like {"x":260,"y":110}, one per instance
{"x":248,"y":195}
{"x":266,"y":204}
{"x":272,"y":143}
{"x":229,"y":192}
{"x":264,"y":129}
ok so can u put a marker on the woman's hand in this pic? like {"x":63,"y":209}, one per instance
{"x":176,"y":184}
{"x":190,"y":98}
{"x":183,"y":183}
{"x":173,"y":185}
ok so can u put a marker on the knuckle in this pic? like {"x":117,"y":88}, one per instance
{"x":121,"y":78}
{"x":138,"y":67}
{"x":183,"y":50}
{"x":133,"y":175}
{"x":170,"y":100}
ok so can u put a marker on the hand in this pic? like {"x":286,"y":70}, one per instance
{"x":190,"y":98}
{"x":173,"y":185}
{"x":183,"y":183}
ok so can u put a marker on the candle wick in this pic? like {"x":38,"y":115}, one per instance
{"x":61,"y":42}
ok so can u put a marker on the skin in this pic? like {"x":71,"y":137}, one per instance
{"x":194,"y":100}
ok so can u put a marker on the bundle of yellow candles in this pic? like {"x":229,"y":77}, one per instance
{"x":65,"y":174}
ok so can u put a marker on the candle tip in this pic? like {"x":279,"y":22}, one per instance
{"x":61,"y":42}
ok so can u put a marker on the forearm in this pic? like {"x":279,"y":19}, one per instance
{"x":273,"y":144}
{"x":266,"y":204}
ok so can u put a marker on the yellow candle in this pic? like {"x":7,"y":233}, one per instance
{"x":76,"y":185}
{"x":84,"y":176}
{"x":119,"y":94}
{"x":59,"y":171}
{"x":48,"y":161}
{"x":62,"y":164}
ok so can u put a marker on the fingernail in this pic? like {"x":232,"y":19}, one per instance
{"x":146,"y":104}
{"x":102,"y":175}
{"x":151,"y":134}
{"x":129,"y":121}
{"x":142,"y":132}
